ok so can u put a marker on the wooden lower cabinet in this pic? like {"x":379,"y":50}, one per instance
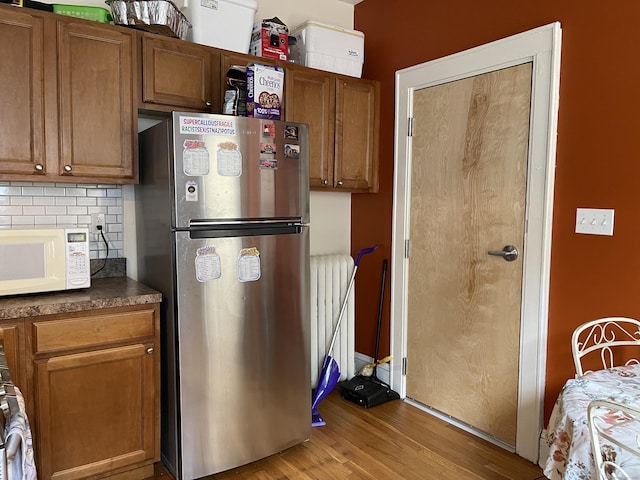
{"x":96,"y":394}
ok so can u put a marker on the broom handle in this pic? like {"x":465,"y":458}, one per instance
{"x":362,"y":252}
{"x":380,"y":305}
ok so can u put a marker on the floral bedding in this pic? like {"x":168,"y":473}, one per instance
{"x":567,"y":435}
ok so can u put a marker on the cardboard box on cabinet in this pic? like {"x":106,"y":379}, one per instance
{"x":270,"y":39}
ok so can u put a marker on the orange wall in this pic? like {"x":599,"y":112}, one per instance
{"x":598,"y":156}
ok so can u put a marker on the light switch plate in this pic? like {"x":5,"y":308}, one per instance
{"x":594,"y":221}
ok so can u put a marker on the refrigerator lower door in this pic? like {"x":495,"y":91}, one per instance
{"x":243,"y":334}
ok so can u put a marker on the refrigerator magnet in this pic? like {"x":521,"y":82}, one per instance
{"x":191,"y":191}
{"x":269,"y":130}
{"x":249,"y":265}
{"x":229,"y":159}
{"x":195,"y":158}
{"x":208,"y":265}
{"x":291,"y":151}
{"x":291,"y":132}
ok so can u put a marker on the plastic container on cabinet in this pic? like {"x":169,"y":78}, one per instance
{"x":225,"y":24}
{"x":327,"y":47}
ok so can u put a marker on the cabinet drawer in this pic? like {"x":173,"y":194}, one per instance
{"x":93,"y":329}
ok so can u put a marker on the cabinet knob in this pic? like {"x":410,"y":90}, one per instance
{"x":207,"y":103}
{"x":67,"y":168}
{"x":339,"y":183}
{"x":150,"y":351}
{"x":325,"y":182}
{"x":39,"y":167}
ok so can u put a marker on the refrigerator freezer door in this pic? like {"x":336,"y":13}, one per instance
{"x":243,"y":327}
{"x":231,"y":168}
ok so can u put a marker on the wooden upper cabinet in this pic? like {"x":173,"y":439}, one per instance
{"x":356,"y":139}
{"x":310,"y":99}
{"x":98,"y":111}
{"x":69,"y":107}
{"x":22,"y":116}
{"x":343,"y":118}
{"x":179,"y":74}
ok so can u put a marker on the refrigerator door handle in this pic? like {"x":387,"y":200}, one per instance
{"x":245,"y":230}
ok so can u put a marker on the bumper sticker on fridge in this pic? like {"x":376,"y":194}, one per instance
{"x":208,"y":265}
{"x":207,"y":126}
{"x":195,"y":158}
{"x":249,"y":265}
{"x":229,"y":160}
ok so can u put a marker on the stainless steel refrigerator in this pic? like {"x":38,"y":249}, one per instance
{"x":222,"y":214}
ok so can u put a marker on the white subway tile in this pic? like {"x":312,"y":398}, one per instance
{"x":23,"y":220}
{"x":115,"y":227}
{"x":37,"y":210}
{"x":12,"y":190}
{"x":5,"y":220}
{"x":84,"y":220}
{"x":65,"y":200}
{"x":5,"y":200}
{"x":114,"y":192}
{"x":115,"y":211}
{"x":88,"y":201}
{"x":75,"y":192}
{"x":21,"y":200}
{"x":55,"y":210}
{"x":44,"y":200}
{"x":106,"y":202}
{"x":91,"y":210}
{"x":54,"y":191}
{"x":96,"y":192}
{"x":22,"y":184}
{"x":10,"y":210}
{"x":66,"y":220}
{"x":77,"y":211}
{"x":32,"y":191}
{"x":45,"y":220}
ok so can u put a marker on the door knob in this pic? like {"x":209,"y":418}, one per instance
{"x":508,"y":253}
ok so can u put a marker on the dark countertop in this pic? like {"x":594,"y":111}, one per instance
{"x":103,"y":293}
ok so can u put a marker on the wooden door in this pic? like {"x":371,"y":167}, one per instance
{"x":22,"y":115}
{"x":468,"y":187}
{"x":356,"y":139}
{"x":179,"y":73}
{"x":310,"y":99}
{"x":98,"y":107}
{"x":96,"y":411}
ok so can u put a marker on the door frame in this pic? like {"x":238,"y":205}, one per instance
{"x":541,"y":46}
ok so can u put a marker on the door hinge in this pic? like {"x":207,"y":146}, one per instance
{"x":410,"y":127}
{"x":406,"y":248}
{"x":404,"y":366}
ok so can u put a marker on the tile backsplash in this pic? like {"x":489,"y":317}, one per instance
{"x":50,"y":204}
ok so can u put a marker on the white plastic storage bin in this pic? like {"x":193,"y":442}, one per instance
{"x":327,"y":47}
{"x":225,"y":24}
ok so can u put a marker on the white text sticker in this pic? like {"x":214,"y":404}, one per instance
{"x":208,"y":266}
{"x":249,"y":265}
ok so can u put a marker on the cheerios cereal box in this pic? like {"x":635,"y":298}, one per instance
{"x":265,"y":84}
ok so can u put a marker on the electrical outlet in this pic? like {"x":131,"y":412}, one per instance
{"x":97,"y":219}
{"x":594,"y":221}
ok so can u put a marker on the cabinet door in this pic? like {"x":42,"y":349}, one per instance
{"x":11,"y":338}
{"x":22,"y":49}
{"x":310,"y":99}
{"x":96,"y":411}
{"x":357,"y":124}
{"x":178,"y":73}
{"x":98,"y":111}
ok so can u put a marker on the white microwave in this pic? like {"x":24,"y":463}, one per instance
{"x":36,"y":260}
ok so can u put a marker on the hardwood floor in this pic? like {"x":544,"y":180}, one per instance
{"x":391,"y":441}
